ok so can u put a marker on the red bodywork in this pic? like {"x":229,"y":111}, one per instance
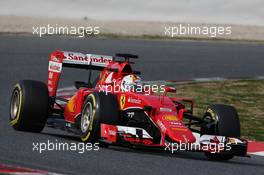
{"x":163,"y":113}
{"x":166,"y":113}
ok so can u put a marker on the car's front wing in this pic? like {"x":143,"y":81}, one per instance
{"x":126,"y":135}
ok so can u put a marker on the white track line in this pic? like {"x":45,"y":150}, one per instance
{"x":260,"y":153}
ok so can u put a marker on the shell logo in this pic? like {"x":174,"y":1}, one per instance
{"x":171,"y":118}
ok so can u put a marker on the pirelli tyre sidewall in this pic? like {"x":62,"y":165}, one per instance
{"x":16,"y":105}
{"x":98,"y":108}
{"x":89,"y":124}
{"x":29,"y":106}
{"x":224,"y":122}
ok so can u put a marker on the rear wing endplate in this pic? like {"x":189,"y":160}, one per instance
{"x":60,"y":59}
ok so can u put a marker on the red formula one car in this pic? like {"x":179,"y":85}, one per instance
{"x":118,"y":109}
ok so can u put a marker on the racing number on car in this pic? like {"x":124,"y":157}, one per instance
{"x":122,"y":101}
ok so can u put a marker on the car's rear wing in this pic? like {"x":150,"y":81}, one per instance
{"x":86,"y":61}
{"x":60,"y":59}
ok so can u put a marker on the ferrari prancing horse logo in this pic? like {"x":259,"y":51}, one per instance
{"x":122,"y":101}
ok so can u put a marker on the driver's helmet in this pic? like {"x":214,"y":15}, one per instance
{"x":130,"y":82}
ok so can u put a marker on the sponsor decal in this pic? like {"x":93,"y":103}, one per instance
{"x":171,"y":118}
{"x":176,"y":123}
{"x":50,"y":75}
{"x":179,"y":129}
{"x":133,"y":100}
{"x":161,"y":125}
{"x":165,"y":109}
{"x":108,"y":132}
{"x":55,"y":67}
{"x":79,"y":58}
{"x":178,"y":126}
{"x":130,"y":114}
{"x":111,"y":132}
{"x":53,"y":58}
{"x":122,"y":101}
{"x":100,"y":60}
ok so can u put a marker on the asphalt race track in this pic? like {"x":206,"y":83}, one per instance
{"x":26,"y":58}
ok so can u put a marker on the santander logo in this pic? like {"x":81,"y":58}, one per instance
{"x":77,"y":57}
{"x":100,"y":59}
{"x":96,"y":59}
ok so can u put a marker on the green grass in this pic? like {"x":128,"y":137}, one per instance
{"x":161,"y":37}
{"x":247,"y":96}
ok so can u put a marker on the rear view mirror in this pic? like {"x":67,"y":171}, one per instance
{"x":170,"y":89}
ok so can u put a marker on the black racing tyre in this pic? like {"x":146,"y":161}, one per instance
{"x":221,"y":120}
{"x":98,"y":108}
{"x":29,"y":106}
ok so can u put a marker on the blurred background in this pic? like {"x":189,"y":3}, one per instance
{"x":136,"y":17}
{"x":196,"y":11}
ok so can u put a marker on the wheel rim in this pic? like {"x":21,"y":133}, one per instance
{"x":210,"y":123}
{"x":15,"y":102}
{"x":208,"y":118}
{"x":86,"y":117}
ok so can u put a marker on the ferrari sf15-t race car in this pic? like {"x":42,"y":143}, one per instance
{"x":111,"y":110}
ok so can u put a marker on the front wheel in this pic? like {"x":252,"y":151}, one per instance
{"x":29,"y":106}
{"x":98,"y":108}
{"x":221,"y":120}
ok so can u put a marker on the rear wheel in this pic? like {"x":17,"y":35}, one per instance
{"x":29,"y":106}
{"x":98,"y":108}
{"x":221,"y":120}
